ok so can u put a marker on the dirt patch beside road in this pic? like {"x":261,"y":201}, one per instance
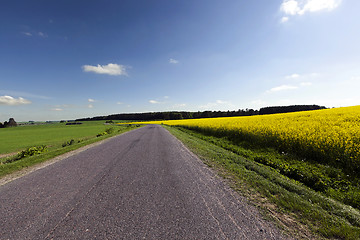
{"x":8,"y":154}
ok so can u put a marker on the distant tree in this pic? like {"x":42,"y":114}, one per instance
{"x":1,"y":125}
{"x":206,"y":114}
{"x":187,"y":115}
{"x":176,"y":116}
{"x":11,"y":123}
{"x":166,"y":116}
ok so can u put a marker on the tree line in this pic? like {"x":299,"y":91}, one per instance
{"x":176,"y":115}
{"x":292,"y":108}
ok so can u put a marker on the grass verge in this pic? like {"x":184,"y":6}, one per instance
{"x":299,"y":210}
{"x":11,"y":164}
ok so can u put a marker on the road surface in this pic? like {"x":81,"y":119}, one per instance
{"x":143,"y":184}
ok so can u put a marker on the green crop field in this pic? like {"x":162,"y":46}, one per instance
{"x":16,"y":139}
{"x":24,"y":146}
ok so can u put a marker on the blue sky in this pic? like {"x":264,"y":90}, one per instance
{"x":71,"y":59}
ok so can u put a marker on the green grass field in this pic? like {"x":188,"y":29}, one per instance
{"x":57,"y":137}
{"x":16,"y":139}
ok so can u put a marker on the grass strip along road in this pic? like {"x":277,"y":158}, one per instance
{"x":143,"y":184}
{"x":305,"y":213}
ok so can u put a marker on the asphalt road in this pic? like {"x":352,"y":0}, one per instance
{"x":140,"y":185}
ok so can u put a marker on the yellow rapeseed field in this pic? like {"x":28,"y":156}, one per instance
{"x":330,"y":135}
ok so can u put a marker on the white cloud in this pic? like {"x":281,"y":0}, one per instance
{"x":119,"y":103}
{"x":8,"y":100}
{"x":91,"y":101}
{"x":24,"y":94}
{"x":355,"y":79}
{"x":302,"y":76}
{"x":282,"y":88}
{"x":180,"y":105}
{"x":110,"y":69}
{"x":41,"y":34}
{"x":304,"y":84}
{"x":27,"y":34}
{"x":289,"y":87}
{"x":217,"y":105}
{"x":292,"y":76}
{"x":163,"y":101}
{"x":173,"y":61}
{"x":300,"y":7}
{"x":318,"y":5}
{"x":221,"y":102}
{"x":284,"y":19}
{"x":57,"y":109}
{"x":290,"y":7}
